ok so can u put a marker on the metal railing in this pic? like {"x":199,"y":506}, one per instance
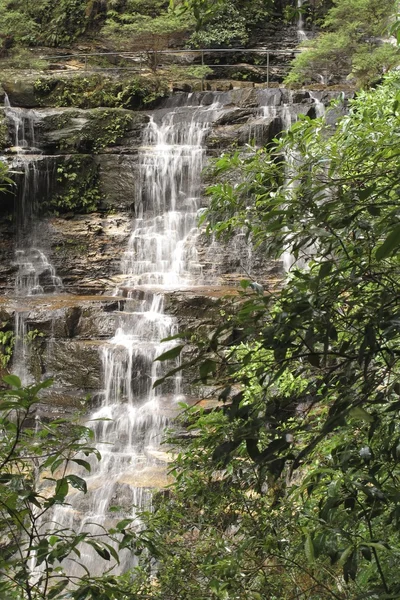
{"x":142,"y":57}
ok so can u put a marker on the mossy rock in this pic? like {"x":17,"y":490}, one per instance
{"x":77,"y":187}
{"x":87,"y":131}
{"x":91,"y":91}
{"x":4,"y":137}
{"x":21,"y":91}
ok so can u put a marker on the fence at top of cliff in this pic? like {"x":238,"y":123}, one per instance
{"x":264,"y":62}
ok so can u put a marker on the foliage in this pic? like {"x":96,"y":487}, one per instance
{"x":133,"y":29}
{"x":5,"y":181}
{"x":103,"y":127}
{"x":46,"y":22}
{"x":222,"y":23}
{"x":3,"y":135}
{"x":228,"y":26}
{"x":207,"y":14}
{"x":35,"y":473}
{"x":352,"y":45}
{"x":7,"y":339}
{"x":149,"y":25}
{"x":92,"y":91}
{"x":77,"y":187}
{"x":290,"y":488}
{"x":23,"y":58}
{"x":40,"y":462}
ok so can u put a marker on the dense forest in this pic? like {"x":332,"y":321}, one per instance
{"x":352,"y":38}
{"x":288,"y":488}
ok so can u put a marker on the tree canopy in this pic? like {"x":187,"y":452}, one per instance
{"x":354,"y":43}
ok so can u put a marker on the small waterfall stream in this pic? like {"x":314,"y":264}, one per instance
{"x":35,"y":275}
{"x":301,"y":34}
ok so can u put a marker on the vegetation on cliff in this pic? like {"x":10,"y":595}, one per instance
{"x":131,"y":22}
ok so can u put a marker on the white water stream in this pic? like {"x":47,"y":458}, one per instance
{"x":35,"y":275}
{"x":33,"y":264}
{"x":301,"y":34}
{"x":161,"y":255}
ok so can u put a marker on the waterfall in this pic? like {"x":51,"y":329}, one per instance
{"x":319,"y":106}
{"x":301,"y":34}
{"x":130,"y":415}
{"x":35,"y":275}
{"x":161,"y":255}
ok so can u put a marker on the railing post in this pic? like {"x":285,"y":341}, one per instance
{"x":267,"y":69}
{"x":202,"y":75}
{"x":85,"y":62}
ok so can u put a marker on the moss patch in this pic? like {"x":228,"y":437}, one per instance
{"x":3,"y":132}
{"x":92,"y":91}
{"x":77,"y":188}
{"x":101,"y":127}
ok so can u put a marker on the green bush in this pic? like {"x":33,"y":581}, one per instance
{"x":227,"y":27}
{"x":77,"y":187}
{"x":92,"y":91}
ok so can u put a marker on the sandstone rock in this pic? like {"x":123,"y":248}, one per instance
{"x":85,"y":259}
{"x":119,"y":178}
{"x":75,"y":364}
{"x":21,"y":91}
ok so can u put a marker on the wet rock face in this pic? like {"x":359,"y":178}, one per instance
{"x":86,"y":250}
{"x":63,"y":130}
{"x":88,"y":179}
{"x":85,"y":224}
{"x":8,"y":268}
{"x":62,"y":338}
{"x":65,"y":337}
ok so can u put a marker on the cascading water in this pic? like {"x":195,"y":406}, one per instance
{"x":161,"y":255}
{"x":301,"y":34}
{"x":293,"y":162}
{"x":35,"y":275}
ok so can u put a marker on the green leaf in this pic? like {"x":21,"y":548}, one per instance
{"x":207,"y":367}
{"x":53,"y":539}
{"x":124,"y":523}
{"x":389,"y":245}
{"x":359,"y":413}
{"x":77,"y":482}
{"x":345,"y":555}
{"x":61,"y":489}
{"x":313,"y":359}
{"x":171,"y":354}
{"x":56,"y":464}
{"x":366,"y":553}
{"x":223,"y":450}
{"x":350,"y":567}
{"x":309,"y":549}
{"x":12,"y":380}
{"x":325,"y":269}
{"x":103,"y":552}
{"x":82,"y":463}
